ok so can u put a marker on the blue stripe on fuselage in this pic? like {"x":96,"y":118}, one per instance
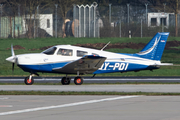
{"x":107,"y":67}
{"x":42,"y":67}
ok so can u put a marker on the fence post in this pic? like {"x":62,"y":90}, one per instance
{"x":146,"y":4}
{"x":74,"y":14}
{"x":141,"y":27}
{"x":18,"y":18}
{"x":110,"y":14}
{"x":56,"y":21}
{"x":0,"y":20}
{"x":128,"y":12}
{"x":119,"y":27}
{"x":37,"y":19}
{"x":94,"y":21}
{"x":163,"y":20}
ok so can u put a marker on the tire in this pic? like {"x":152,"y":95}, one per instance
{"x":78,"y":80}
{"x":28,"y":82}
{"x":65,"y":81}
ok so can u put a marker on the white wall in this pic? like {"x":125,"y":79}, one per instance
{"x":42,"y":22}
{"x":158,"y":17}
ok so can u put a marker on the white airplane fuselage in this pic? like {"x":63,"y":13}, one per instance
{"x":115,"y":62}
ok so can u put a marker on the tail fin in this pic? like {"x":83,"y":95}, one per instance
{"x":154,"y":49}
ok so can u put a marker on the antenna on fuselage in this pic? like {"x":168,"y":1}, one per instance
{"x":105,"y":46}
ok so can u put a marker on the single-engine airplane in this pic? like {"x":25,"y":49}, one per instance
{"x":67,"y":59}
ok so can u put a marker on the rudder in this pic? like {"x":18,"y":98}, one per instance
{"x":154,"y":49}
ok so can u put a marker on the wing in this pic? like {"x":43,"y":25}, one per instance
{"x":86,"y":64}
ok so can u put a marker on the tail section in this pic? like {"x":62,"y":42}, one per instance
{"x":154,"y":49}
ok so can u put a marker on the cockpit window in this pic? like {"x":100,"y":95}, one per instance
{"x":50,"y":51}
{"x":65,"y":52}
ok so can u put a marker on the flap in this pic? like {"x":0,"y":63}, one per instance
{"x":86,"y":64}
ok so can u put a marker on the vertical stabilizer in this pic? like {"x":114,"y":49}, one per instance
{"x":154,"y":49}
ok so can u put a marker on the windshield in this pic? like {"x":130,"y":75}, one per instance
{"x":50,"y":51}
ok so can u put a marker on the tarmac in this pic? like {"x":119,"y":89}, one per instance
{"x":89,"y":107}
{"x":158,"y":88}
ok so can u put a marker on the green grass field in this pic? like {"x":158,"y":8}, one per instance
{"x":171,"y":56}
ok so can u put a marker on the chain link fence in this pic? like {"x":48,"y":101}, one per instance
{"x":86,"y":21}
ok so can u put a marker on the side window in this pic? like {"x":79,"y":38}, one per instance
{"x":81,"y":53}
{"x":65,"y":52}
{"x":95,"y":54}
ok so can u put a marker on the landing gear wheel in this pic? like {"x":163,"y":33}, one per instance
{"x":65,"y":81}
{"x":28,"y":81}
{"x":78,"y":80}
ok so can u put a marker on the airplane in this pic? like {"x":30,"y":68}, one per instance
{"x":68,"y":59}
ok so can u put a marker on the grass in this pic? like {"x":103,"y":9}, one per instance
{"x":170,"y":56}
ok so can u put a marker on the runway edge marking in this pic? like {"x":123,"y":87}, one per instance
{"x":65,"y":105}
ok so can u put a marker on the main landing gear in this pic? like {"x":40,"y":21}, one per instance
{"x":77,"y":80}
{"x":65,"y":80}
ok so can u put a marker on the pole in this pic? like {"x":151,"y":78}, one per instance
{"x":89,"y":19}
{"x":94,"y":21}
{"x":146,"y":4}
{"x":18,"y":18}
{"x":119,"y":27}
{"x":163,"y":20}
{"x":141,"y":27}
{"x":110,"y":14}
{"x":56,"y":21}
{"x":79,"y":21}
{"x":0,"y":20}
{"x":128,"y":12}
{"x":37,"y":19}
{"x":34,"y":25}
{"x":74,"y":15}
{"x":84,"y":21}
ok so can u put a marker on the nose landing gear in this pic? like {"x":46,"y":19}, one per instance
{"x":29,"y":80}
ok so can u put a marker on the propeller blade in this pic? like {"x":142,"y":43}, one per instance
{"x":13,"y":68}
{"x":12,"y":50}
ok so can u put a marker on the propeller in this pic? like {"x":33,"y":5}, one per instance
{"x":12,"y":58}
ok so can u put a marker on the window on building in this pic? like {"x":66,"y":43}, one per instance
{"x":153,"y":21}
{"x":48,"y":23}
{"x":163,"y":20}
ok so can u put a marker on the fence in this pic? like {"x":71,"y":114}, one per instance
{"x":86,"y":21}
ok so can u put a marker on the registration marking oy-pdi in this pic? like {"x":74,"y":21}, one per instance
{"x":66,"y":105}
